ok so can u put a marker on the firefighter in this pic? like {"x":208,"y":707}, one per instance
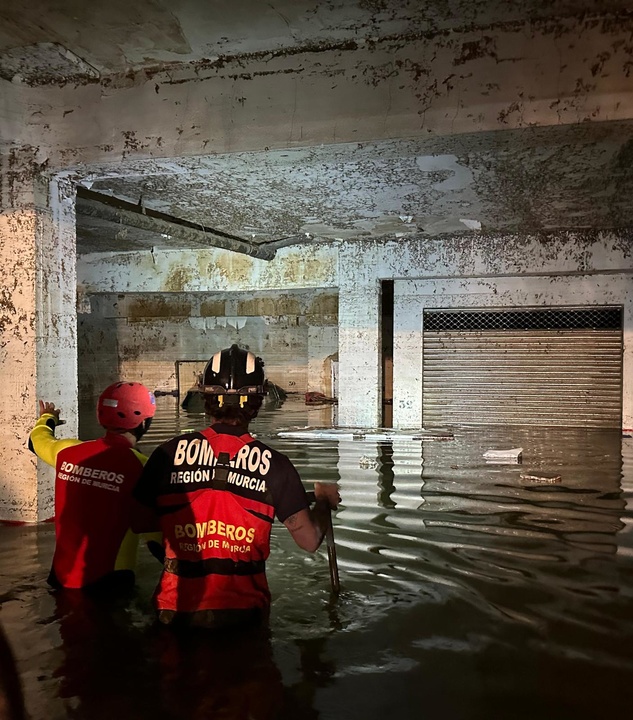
{"x":214,"y":495}
{"x":94,"y":546}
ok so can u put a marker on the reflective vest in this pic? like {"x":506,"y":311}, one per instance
{"x":217,"y":541}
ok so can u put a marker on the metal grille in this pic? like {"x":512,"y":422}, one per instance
{"x":595,"y":318}
{"x":551,"y":376}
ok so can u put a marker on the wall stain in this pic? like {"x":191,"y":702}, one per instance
{"x":324,"y":304}
{"x":476,"y":49}
{"x":283,"y":304}
{"x":235,"y":268}
{"x":157,"y":307}
{"x":179,"y":279}
{"x":212,"y":308}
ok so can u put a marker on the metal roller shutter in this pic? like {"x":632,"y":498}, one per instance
{"x":541,"y":366}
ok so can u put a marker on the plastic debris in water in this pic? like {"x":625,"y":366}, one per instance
{"x":541,"y":479}
{"x":513,"y":455}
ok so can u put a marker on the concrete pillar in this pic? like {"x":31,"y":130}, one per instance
{"x":407,"y":358}
{"x":38,"y":341}
{"x":360,"y":376}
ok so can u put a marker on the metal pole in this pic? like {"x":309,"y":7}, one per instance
{"x":331,"y":555}
{"x":331,"y":548}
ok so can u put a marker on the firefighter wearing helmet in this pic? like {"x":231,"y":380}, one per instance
{"x":214,"y":495}
{"x":94,"y":545}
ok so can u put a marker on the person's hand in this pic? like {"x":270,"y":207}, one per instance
{"x":328,"y":492}
{"x":48,"y":408}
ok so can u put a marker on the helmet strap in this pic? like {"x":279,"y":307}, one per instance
{"x":141,"y":429}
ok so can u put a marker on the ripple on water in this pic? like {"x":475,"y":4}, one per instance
{"x":455,"y":574}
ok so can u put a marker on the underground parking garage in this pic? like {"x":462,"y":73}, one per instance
{"x":267,"y":190}
{"x":419,"y":210}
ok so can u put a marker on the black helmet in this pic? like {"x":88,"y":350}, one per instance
{"x":234,"y":374}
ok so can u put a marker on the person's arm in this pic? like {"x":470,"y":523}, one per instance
{"x":308,"y":526}
{"x":42,"y":440}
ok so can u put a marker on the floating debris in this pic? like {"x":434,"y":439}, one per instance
{"x":317,"y":398}
{"x":541,"y":479}
{"x":361,"y":434}
{"x":513,"y":455}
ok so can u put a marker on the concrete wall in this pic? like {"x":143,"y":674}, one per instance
{"x":472,"y":270}
{"x":568,"y":269}
{"x":140,"y":336}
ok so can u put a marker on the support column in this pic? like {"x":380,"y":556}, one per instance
{"x":359,"y":338}
{"x":38,"y":326}
{"x":407,"y":357}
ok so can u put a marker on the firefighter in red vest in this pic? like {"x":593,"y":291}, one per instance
{"x":94,"y":546}
{"x":214,"y":495}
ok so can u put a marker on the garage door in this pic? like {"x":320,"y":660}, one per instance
{"x":535,"y":366}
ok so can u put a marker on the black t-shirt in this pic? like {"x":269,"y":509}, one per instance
{"x":184,"y":464}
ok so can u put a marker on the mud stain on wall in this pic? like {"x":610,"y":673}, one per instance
{"x":269,"y":306}
{"x":157,"y":307}
{"x":325,"y":304}
{"x":179,"y":279}
{"x":212,"y":308}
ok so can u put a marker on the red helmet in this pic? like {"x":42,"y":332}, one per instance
{"x":125,"y":405}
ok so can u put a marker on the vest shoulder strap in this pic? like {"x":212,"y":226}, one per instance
{"x":225,"y":447}
{"x":211,"y":434}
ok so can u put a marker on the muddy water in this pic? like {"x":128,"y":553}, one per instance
{"x":469,"y":590}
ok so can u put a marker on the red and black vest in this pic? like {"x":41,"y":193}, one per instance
{"x":93,"y":499}
{"x":216,"y":538}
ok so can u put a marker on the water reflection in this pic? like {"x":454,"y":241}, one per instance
{"x":469,"y":590}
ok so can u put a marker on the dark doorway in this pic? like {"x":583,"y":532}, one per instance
{"x":387,"y":352}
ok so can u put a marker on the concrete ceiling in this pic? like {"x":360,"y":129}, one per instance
{"x":517,"y":180}
{"x":534,"y":180}
{"x":118,"y":36}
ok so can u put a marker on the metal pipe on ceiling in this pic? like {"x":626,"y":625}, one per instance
{"x":124,"y":213}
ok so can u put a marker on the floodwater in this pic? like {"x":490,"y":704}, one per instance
{"x":469,"y":590}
